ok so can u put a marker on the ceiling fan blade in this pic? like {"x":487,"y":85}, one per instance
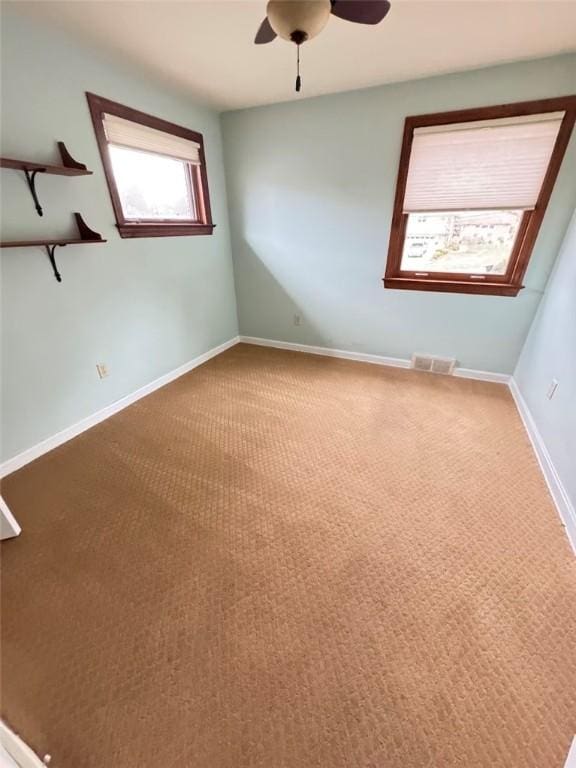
{"x":361,"y":11}
{"x":265,"y":33}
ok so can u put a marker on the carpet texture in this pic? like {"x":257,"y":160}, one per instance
{"x":287,"y":561}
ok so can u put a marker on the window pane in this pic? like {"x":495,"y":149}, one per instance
{"x":471,"y":242}
{"x":151,"y":186}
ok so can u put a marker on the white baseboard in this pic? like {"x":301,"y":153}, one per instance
{"x":18,"y":461}
{"x":20,"y":752}
{"x":5,"y":760}
{"x":571,"y":759}
{"x":362,"y":357}
{"x":8,"y":524}
{"x":471,"y":373}
{"x":555,"y":486}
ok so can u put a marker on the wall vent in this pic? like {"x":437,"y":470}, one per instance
{"x":433,"y":364}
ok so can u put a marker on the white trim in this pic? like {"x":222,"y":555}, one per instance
{"x":470,"y":373}
{"x":555,"y":486}
{"x":5,"y":760}
{"x":8,"y":524}
{"x":20,"y":752}
{"x":571,"y":759}
{"x":363,"y":357}
{"x":18,"y":461}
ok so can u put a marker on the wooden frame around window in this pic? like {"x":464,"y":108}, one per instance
{"x":510,"y":283}
{"x":197,"y":177}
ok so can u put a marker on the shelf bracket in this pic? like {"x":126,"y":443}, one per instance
{"x":31,"y":179}
{"x":84,"y":230}
{"x":67,"y":162}
{"x":67,"y":158}
{"x":50,"y":251}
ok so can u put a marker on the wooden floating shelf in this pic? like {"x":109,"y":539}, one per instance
{"x":50,"y":241}
{"x":55,"y":170}
{"x":87,"y":237}
{"x":69,"y":167}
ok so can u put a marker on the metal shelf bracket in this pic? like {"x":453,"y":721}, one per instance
{"x":31,"y":179}
{"x":50,"y":251}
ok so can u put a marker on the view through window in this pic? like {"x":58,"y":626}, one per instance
{"x":466,"y":242}
{"x":152,"y":186}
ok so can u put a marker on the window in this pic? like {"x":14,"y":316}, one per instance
{"x":471,"y":194}
{"x":155,"y":171}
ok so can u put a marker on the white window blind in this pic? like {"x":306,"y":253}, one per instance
{"x":492,"y":164}
{"x":126,"y":133}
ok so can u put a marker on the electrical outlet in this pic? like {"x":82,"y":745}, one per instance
{"x":552,"y":389}
{"x":102,"y":369}
{"x":297,"y":319}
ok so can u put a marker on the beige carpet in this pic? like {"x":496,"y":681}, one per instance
{"x":286,"y":561}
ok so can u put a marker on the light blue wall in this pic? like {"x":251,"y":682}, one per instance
{"x":143,"y":306}
{"x":311,"y":187}
{"x":550,"y":353}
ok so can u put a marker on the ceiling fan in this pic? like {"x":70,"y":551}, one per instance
{"x":301,"y":20}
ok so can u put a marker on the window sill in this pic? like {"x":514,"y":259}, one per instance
{"x":452,"y":286}
{"x":164,"y":230}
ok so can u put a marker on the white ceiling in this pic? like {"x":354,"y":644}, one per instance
{"x":206,"y":48}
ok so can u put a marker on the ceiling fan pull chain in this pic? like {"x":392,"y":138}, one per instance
{"x":298,"y":78}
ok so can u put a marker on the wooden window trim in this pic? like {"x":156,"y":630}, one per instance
{"x":510,"y":283}
{"x":197,"y":179}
